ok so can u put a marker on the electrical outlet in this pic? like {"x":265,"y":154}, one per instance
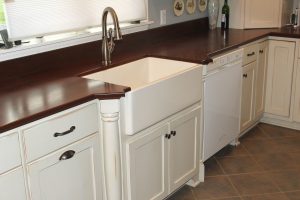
{"x":163,"y":17}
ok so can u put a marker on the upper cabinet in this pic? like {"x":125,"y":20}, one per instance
{"x":245,"y":14}
{"x":262,"y":14}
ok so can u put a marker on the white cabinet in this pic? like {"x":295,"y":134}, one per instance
{"x":253,"y":84}
{"x":260,"y":80}
{"x":61,"y":157}
{"x":163,"y":158}
{"x":52,"y":133}
{"x":73,"y":173}
{"x":148,"y":165}
{"x":12,"y":185}
{"x":184,"y":149}
{"x":262,"y":13}
{"x":247,"y":101}
{"x":279,"y":77}
{"x":245,"y":14}
{"x":10,"y":155}
{"x":296,"y":114}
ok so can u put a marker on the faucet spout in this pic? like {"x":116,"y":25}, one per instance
{"x":107,"y":39}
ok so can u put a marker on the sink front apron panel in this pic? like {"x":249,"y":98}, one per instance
{"x":142,"y":108}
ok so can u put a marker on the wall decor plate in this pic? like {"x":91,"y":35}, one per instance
{"x":191,"y":6}
{"x":178,"y":7}
{"x":202,"y":5}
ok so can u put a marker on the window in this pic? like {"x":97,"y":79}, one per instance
{"x":46,"y":25}
{"x":36,"y":18}
{"x":2,"y":18}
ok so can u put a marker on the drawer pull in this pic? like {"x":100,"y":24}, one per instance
{"x":261,"y":51}
{"x":245,"y":75}
{"x":251,"y":54}
{"x":65,"y":133}
{"x":67,"y":155}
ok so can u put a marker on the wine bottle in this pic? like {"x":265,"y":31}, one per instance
{"x":225,"y":16}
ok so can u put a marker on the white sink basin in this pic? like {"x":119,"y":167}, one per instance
{"x":159,"y":88}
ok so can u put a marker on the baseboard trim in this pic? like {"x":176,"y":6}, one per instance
{"x":282,"y":123}
{"x":249,"y":128}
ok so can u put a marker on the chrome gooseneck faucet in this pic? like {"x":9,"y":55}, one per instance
{"x":108,"y":42}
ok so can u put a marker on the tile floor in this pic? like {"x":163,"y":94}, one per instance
{"x":265,"y":166}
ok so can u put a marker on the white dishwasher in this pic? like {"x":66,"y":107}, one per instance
{"x":222,"y":102}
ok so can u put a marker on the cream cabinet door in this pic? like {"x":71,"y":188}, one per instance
{"x":184,"y":148}
{"x":247,"y":95}
{"x":262,"y":13}
{"x":12,"y":185}
{"x":147,"y":165}
{"x":296,"y":114}
{"x":73,"y":173}
{"x":10,"y":154}
{"x":260,"y":80}
{"x":279,"y":77}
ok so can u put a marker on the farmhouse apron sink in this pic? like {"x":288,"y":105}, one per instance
{"x":159,"y":88}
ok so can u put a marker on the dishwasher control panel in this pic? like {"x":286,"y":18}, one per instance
{"x":223,"y":60}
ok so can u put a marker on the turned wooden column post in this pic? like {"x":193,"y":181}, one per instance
{"x":110,"y":111}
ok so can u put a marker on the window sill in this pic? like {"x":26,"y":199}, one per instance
{"x":36,"y":46}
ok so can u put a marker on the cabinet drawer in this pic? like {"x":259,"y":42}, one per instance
{"x":60,"y":131}
{"x":9,"y":152}
{"x":250,"y":54}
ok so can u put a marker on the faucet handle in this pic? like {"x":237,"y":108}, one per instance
{"x":111,"y":44}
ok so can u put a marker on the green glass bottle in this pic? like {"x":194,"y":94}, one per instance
{"x":225,"y":16}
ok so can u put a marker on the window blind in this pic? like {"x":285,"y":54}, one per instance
{"x":32,"y":18}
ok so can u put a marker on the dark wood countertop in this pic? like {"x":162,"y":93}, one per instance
{"x":24,"y":105}
{"x":36,"y":86}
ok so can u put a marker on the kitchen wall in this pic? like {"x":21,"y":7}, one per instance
{"x":156,"y":5}
{"x":296,"y":3}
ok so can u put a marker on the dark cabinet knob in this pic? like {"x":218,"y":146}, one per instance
{"x":261,"y":51}
{"x":67,"y":155}
{"x":173,"y":133}
{"x":245,"y":75}
{"x":168,"y":136}
{"x":66,"y":132}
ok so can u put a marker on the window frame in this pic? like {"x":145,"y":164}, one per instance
{"x":81,"y":38}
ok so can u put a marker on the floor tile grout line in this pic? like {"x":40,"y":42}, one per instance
{"x":263,"y":194}
{"x":263,"y":131}
{"x":280,"y":136}
{"x":253,"y":172}
{"x":220,"y":166}
{"x":272,"y":181}
{"x":277,"y":186}
{"x":232,"y":185}
{"x":227,"y":177}
{"x":193,"y":193}
{"x":253,"y":158}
